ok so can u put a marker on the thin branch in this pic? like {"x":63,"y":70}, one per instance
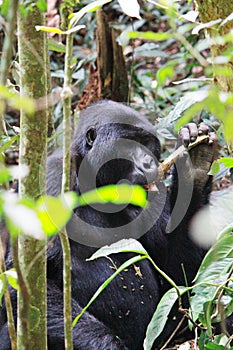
{"x":67,"y":94}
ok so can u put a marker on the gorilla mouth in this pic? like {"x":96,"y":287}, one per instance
{"x":151,"y":187}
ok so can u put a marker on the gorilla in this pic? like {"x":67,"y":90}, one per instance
{"x":114,"y":144}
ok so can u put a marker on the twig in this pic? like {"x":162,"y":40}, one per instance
{"x":171,"y":159}
{"x":173,"y":333}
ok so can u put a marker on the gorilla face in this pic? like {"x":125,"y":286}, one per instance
{"x":114,"y":147}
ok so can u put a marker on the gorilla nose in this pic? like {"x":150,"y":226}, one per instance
{"x":147,"y":167}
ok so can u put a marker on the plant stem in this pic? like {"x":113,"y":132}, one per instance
{"x":67,"y":94}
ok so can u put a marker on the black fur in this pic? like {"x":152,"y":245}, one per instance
{"x":119,"y":317}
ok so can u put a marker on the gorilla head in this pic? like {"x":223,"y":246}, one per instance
{"x":113,"y":144}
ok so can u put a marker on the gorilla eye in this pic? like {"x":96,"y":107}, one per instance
{"x":91,"y":136}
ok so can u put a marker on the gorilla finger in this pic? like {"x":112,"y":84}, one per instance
{"x":203,"y":129}
{"x":184,"y":135}
{"x":213,"y":138}
{"x":193,"y":131}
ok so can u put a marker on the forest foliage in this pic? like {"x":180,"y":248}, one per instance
{"x":174,"y":78}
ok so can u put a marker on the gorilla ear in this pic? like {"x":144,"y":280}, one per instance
{"x":91,"y":136}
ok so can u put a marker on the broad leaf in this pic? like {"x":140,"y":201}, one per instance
{"x":117,"y":194}
{"x":131,"y":8}
{"x":56,"y":46}
{"x":93,"y":6}
{"x":124,"y":245}
{"x":213,"y":272}
{"x":12,"y":278}
{"x":54,"y":213}
{"x":159,"y":318}
{"x":227,"y":161}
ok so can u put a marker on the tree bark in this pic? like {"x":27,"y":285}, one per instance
{"x":112,"y":70}
{"x":211,"y":10}
{"x":31,"y":252}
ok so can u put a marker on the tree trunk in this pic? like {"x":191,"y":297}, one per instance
{"x":31,"y":252}
{"x":112,"y":70}
{"x":211,"y":10}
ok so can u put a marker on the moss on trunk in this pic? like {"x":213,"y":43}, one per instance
{"x":31,"y":252}
{"x":211,"y":10}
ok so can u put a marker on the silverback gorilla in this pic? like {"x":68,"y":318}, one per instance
{"x":115,"y":144}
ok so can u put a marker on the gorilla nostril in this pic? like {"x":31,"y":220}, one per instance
{"x":148,"y":163}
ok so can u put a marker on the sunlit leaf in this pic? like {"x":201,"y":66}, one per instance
{"x":131,"y":8}
{"x":215,"y":168}
{"x":16,"y":211}
{"x":124,"y":245}
{"x":55,"y":212}
{"x":93,"y":6}
{"x":12,"y":278}
{"x":2,"y":287}
{"x":53,"y":30}
{"x":149,"y":35}
{"x":117,"y":194}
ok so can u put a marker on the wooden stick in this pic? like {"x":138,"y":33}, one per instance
{"x":171,"y":159}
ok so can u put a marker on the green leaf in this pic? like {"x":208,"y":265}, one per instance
{"x":59,"y":31}
{"x":2,"y":287}
{"x":124,"y":245}
{"x":5,"y":175}
{"x":215,"y":168}
{"x":221,"y":250}
{"x":15,"y":212}
{"x":149,"y":35}
{"x":12,"y":278}
{"x":54,"y":45}
{"x":160,"y":316}
{"x":5,"y":7}
{"x":227,"y":161}
{"x":164,"y":73}
{"x":93,"y":6}
{"x":54,"y":213}
{"x":184,"y":103}
{"x":213,"y":272}
{"x":117,"y":194}
{"x":42,"y":5}
{"x":50,"y":29}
